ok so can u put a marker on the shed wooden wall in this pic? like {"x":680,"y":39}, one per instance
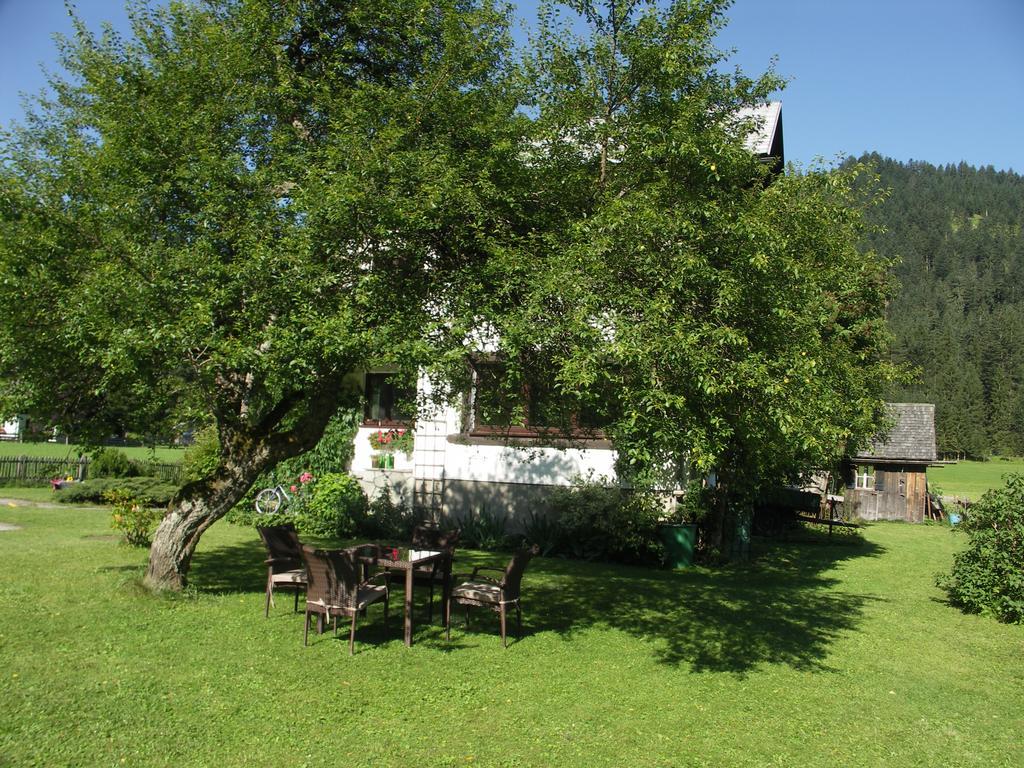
{"x":901,"y":493}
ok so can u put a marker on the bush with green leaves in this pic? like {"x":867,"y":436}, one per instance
{"x":332,"y":454}
{"x":133,"y":516}
{"x":988,"y":576}
{"x":484,"y":529}
{"x":335,"y":508}
{"x":601,"y":521}
{"x":388,"y":519}
{"x":201,"y":458}
{"x":543,"y":531}
{"x":93,"y":491}
{"x":111,"y":462}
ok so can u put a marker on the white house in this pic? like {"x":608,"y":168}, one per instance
{"x":458,"y":463}
{"x":13,"y":429}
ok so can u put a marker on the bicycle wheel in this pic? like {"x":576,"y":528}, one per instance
{"x":269,"y":501}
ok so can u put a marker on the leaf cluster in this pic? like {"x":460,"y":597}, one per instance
{"x":988,"y":576}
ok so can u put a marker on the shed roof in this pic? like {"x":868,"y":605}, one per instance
{"x":911,"y":439}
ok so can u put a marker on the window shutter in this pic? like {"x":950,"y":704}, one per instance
{"x":880,"y":480}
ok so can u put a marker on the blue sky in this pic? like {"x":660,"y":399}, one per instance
{"x":934,"y":80}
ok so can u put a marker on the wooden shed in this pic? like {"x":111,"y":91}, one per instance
{"x":887,"y":481}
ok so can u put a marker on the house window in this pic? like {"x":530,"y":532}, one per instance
{"x":387,"y":404}
{"x":528,"y":404}
{"x":865,"y":478}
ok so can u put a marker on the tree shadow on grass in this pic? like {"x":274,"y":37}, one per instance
{"x":231,"y":568}
{"x":783,"y":609}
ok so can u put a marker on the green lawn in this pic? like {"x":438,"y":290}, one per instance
{"x":970,"y":479}
{"x":60,"y":451}
{"x":36,"y":494}
{"x":820,"y":654}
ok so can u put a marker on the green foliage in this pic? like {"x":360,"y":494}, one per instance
{"x":483,"y":529}
{"x":705,"y":311}
{"x":988,"y":576}
{"x":202,"y":457}
{"x":132,"y":516}
{"x":332,"y":452}
{"x":220,"y":214}
{"x":601,"y":521}
{"x":387,"y":519}
{"x":393,"y":440}
{"x":111,"y":462}
{"x":696,"y":503}
{"x":337,"y":506}
{"x":544,"y":531}
{"x":331,"y":455}
{"x":93,"y":491}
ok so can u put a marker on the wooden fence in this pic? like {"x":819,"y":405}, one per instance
{"x":32,"y":470}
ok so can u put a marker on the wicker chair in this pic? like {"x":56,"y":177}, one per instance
{"x":284,"y":562}
{"x":440,"y":571}
{"x":496,"y":594}
{"x":336,"y":589}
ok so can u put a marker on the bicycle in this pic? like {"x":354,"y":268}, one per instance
{"x":270,"y":501}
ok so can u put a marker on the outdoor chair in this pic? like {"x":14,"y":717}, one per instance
{"x":495,"y":594}
{"x":284,"y":562}
{"x":335,"y":588}
{"x":440,"y":571}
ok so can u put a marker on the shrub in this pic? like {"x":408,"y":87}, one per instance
{"x":201,"y":458}
{"x":483,"y":530}
{"x":386,"y":519}
{"x":132,"y":516}
{"x":335,"y":508}
{"x":601,"y":521}
{"x":988,"y":576}
{"x":92,"y":491}
{"x":543,"y":531}
{"x":332,"y":454}
{"x":111,"y":462}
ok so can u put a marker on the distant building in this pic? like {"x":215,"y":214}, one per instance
{"x":887,"y":481}
{"x":13,"y":429}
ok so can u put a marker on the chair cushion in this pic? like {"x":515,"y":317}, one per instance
{"x":481,"y":591}
{"x":370,"y":594}
{"x":289,"y":577}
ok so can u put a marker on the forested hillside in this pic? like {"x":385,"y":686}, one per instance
{"x":959,"y":314}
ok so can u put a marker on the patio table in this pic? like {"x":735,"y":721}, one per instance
{"x":407,"y":560}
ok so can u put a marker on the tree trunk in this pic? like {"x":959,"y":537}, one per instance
{"x":245,"y":454}
{"x":196,"y":508}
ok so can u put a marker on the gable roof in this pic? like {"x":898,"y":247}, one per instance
{"x":911,"y":439}
{"x":765,"y":140}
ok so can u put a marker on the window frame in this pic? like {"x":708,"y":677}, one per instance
{"x":382,"y":380}
{"x":474,"y":427}
{"x":861,"y":479}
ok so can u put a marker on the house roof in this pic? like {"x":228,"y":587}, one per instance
{"x":911,"y":439}
{"x":768,"y":118}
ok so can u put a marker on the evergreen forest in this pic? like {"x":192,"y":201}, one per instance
{"x":957,"y":234}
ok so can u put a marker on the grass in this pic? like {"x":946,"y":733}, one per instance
{"x":819,"y":654}
{"x":45,"y":450}
{"x":28,"y":493}
{"x":970,"y":479}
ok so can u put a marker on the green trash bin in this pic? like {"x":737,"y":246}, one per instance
{"x":680,"y":542}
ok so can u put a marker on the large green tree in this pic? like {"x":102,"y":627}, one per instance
{"x":719,"y":316}
{"x":225,"y":213}
{"x":252,"y":198}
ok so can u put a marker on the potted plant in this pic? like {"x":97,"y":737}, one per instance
{"x":387,"y":442}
